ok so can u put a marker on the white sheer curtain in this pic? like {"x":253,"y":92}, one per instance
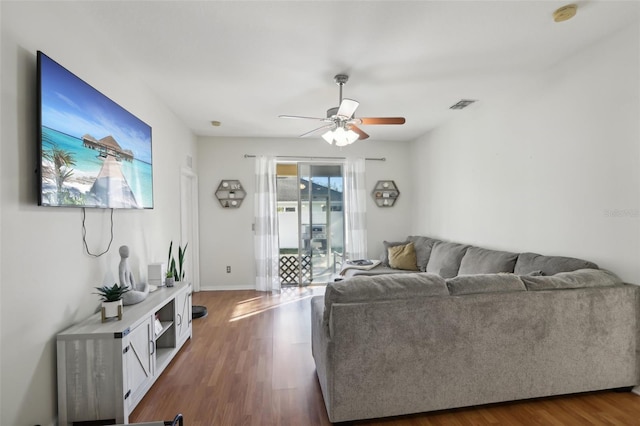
{"x":355,"y":209}
{"x":266,"y":245}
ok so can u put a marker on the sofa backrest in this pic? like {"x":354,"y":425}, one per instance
{"x":549,"y":265}
{"x":445,"y":258}
{"x":449,"y":259}
{"x":484,"y":283}
{"x":383,"y":287}
{"x":393,"y":287}
{"x":581,"y":278}
{"x":477,"y":260}
{"x":493,"y":283}
{"x":423,"y":246}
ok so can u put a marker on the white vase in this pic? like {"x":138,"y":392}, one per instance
{"x":112,"y":310}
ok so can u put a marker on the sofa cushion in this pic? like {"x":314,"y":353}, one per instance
{"x":384,"y":258}
{"x":484,"y":283}
{"x":549,"y":265}
{"x":423,"y":246}
{"x":574,"y":279}
{"x":383,"y":287}
{"x":403,"y":257}
{"x":378,"y":270}
{"x":477,"y":260}
{"x":445,"y":258}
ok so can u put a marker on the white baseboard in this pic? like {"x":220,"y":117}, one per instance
{"x":636,"y":390}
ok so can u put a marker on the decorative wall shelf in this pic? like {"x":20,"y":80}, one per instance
{"x":230,"y":193}
{"x":385,"y":193}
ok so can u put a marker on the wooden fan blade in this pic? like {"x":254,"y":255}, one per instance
{"x":382,"y":120}
{"x":362,"y":135}
{"x":300,"y":117}
{"x":326,"y":126}
{"x":347,"y":108}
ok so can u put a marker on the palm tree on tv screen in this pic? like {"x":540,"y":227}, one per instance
{"x":60,"y":170}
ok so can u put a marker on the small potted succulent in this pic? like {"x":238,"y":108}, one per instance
{"x":170,"y":280}
{"x":111,"y":300}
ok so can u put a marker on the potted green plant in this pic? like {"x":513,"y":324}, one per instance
{"x":111,"y":300}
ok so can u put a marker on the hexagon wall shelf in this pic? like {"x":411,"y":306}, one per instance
{"x":230,"y":193}
{"x":385,"y":193}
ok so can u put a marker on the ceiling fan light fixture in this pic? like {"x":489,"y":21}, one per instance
{"x":340,"y":136}
{"x":328,"y":136}
{"x":352,"y":136}
{"x":346,"y":137}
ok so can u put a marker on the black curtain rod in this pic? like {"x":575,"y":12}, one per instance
{"x":315,"y":158}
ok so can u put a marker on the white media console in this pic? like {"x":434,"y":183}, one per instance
{"x":105,"y":369}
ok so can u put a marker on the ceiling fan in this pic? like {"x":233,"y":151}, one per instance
{"x":342,"y":126}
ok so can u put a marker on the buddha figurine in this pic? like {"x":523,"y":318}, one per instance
{"x":137,"y":293}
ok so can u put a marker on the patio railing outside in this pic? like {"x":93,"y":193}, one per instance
{"x":290,"y":269}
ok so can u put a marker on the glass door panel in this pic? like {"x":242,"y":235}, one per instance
{"x":304,"y":222}
{"x":321,"y":217}
{"x":319,"y":224}
{"x":292,"y":271}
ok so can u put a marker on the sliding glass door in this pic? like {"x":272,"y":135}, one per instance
{"x":311,"y":222}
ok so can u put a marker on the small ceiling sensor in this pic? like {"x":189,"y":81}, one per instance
{"x":462,"y":103}
{"x":565,"y":13}
{"x":216,"y":123}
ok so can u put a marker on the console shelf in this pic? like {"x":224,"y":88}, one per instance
{"x":166,"y":325}
{"x":105,"y":369}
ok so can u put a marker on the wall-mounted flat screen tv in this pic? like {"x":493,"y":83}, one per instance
{"x":92,"y":152}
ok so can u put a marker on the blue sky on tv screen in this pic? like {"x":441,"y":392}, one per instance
{"x":71,"y":106}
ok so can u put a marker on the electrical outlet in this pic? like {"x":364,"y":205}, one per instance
{"x":228,"y":269}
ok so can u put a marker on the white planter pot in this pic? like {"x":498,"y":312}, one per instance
{"x":112,"y":310}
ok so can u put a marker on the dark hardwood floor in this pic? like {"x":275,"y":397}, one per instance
{"x":249,"y":363}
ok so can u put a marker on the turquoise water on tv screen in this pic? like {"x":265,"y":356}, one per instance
{"x":88,"y":164}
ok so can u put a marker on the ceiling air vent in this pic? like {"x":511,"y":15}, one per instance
{"x":462,"y":103}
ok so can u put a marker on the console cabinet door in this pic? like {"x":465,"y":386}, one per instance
{"x":139,"y":362}
{"x":183,"y":315}
{"x":88,"y":378}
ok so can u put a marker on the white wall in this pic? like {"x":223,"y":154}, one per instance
{"x":552,"y":166}
{"x":47,"y":279}
{"x":226,"y":237}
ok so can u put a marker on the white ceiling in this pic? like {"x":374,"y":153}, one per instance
{"x":244,"y":63}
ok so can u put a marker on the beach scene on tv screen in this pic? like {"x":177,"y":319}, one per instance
{"x":94,"y":152}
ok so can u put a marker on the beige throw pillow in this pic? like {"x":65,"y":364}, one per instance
{"x":403,"y":257}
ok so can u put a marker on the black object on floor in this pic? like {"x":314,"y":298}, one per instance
{"x":177,"y":421}
{"x":198,"y":311}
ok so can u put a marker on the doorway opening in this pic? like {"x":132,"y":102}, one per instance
{"x":310,"y":222}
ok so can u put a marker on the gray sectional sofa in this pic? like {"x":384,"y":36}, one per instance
{"x":471,"y":326}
